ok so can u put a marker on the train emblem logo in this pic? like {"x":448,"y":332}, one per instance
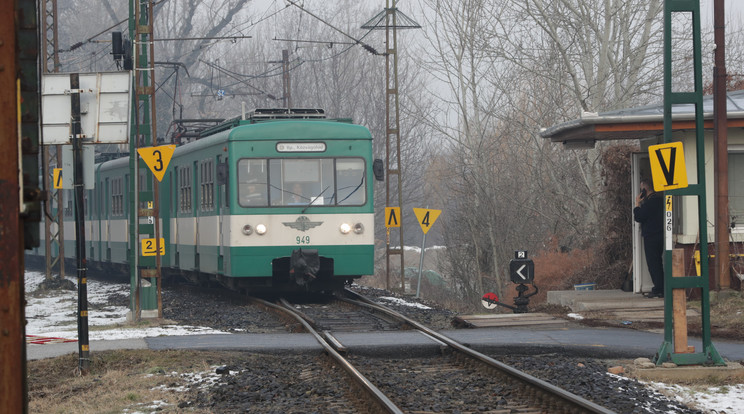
{"x":302,"y":223}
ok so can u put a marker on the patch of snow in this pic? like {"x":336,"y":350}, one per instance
{"x":402,"y":302}
{"x":418,"y":249}
{"x":727,"y":399}
{"x":54,"y":314}
{"x":150,"y":408}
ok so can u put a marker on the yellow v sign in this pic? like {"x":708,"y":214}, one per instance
{"x":668,"y":166}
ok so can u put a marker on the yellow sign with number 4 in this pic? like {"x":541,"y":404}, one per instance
{"x":426,"y":217}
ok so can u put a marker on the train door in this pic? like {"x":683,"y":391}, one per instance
{"x":176,"y":198}
{"x":222,"y":208}
{"x":641,"y":168}
{"x":195,"y":194}
{"x":106,"y":214}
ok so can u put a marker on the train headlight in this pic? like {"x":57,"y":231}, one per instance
{"x":247,"y":230}
{"x":261,"y":229}
{"x":345,"y":228}
{"x":358,"y":228}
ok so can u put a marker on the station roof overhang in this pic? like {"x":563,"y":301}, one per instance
{"x":638,"y":123}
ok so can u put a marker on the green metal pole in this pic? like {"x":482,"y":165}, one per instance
{"x":709,"y":355}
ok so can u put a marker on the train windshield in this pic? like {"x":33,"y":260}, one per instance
{"x":302,"y":182}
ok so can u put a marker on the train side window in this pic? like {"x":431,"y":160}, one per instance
{"x":350,"y":181}
{"x":206,"y":184}
{"x":184,"y":189}
{"x":117,"y":197}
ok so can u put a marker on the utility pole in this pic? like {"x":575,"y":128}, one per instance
{"x":145,"y":273}
{"x":82,"y":279}
{"x":12,"y":344}
{"x":392,"y":20}
{"x":285,"y":70}
{"x":54,"y":231}
{"x":20,"y":196}
{"x":720,"y":160}
{"x":286,"y":87}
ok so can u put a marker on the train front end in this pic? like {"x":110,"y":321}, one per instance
{"x":301,"y":203}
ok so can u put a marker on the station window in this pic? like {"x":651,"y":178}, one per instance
{"x":736,"y":189}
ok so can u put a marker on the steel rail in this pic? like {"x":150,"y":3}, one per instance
{"x":561,"y":394}
{"x":379,"y":397}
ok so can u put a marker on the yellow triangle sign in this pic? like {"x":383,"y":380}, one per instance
{"x":426,"y":217}
{"x":157,"y":158}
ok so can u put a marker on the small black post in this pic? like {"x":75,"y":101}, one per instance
{"x":77,"y":156}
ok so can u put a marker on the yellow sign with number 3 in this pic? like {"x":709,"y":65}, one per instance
{"x":157,"y":158}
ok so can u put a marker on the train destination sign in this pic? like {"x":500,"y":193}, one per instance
{"x":668,"y":166}
{"x":301,"y":147}
{"x":157,"y":158}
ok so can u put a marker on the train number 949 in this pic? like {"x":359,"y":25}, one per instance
{"x":303,"y":239}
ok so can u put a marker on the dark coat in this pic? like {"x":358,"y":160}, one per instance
{"x":650,"y":214}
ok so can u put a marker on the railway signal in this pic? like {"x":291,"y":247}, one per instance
{"x":426,"y":218}
{"x":57,"y":178}
{"x":668,"y":166}
{"x":157,"y":158}
{"x":521,"y":270}
{"x":392,"y":217}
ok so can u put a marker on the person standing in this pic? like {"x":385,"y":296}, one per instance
{"x":649,"y":211}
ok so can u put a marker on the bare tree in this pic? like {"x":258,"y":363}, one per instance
{"x":510,"y":67}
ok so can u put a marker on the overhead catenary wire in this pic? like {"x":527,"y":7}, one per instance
{"x":106,"y":30}
{"x":212,"y":65}
{"x":366,"y":46}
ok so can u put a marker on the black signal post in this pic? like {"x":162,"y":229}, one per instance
{"x":77,"y":154}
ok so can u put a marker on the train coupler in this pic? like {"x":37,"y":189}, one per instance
{"x":304,"y":266}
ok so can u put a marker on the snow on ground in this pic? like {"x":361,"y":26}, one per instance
{"x":727,"y":399}
{"x":418,"y":249}
{"x":55,"y":314}
{"x":403,"y":302}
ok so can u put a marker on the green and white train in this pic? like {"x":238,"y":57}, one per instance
{"x":280,"y":199}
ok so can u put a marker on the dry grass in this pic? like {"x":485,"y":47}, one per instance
{"x":116,"y":381}
{"x":726,"y":315}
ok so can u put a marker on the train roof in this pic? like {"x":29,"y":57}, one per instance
{"x":298,"y":130}
{"x":273,"y":125}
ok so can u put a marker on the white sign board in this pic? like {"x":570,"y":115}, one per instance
{"x":68,"y":169}
{"x":104,"y":107}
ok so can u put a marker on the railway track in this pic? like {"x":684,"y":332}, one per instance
{"x":462,"y":379}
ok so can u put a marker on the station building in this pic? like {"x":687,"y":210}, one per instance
{"x":646,"y":124}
